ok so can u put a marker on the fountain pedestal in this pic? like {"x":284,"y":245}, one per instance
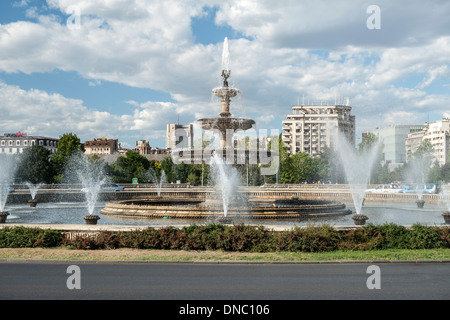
{"x":91,"y":219}
{"x":446,"y":216}
{"x":3,"y":216}
{"x":420,"y":203}
{"x":360,"y":219}
{"x":32,"y":202}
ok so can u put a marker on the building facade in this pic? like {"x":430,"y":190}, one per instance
{"x":15,"y":143}
{"x":438,"y":134}
{"x":313,"y":128}
{"x":101,"y":146}
{"x":394,"y":142}
{"x":179,"y":136}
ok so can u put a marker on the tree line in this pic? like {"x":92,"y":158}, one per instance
{"x":38,"y":164}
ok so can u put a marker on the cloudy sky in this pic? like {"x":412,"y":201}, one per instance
{"x":125,"y":68}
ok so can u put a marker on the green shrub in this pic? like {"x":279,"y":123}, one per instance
{"x":24,"y":237}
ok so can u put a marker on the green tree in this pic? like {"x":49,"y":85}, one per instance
{"x":167,"y":165}
{"x":133,"y":165}
{"x":36,"y":166}
{"x":68,"y":145}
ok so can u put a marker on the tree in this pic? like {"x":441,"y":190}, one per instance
{"x":36,"y":166}
{"x":133,"y":165}
{"x":68,"y":145}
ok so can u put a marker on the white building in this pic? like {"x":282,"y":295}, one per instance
{"x":179,"y":136}
{"x":438,"y":133}
{"x":313,"y":128}
{"x":394,"y":147}
{"x":15,"y":143}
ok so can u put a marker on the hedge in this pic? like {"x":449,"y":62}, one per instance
{"x":238,"y":238}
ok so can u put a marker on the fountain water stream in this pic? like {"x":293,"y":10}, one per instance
{"x":358,"y":167}
{"x":90,"y":174}
{"x":8,"y":166}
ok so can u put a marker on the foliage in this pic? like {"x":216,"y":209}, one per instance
{"x":23,"y":237}
{"x":68,"y":145}
{"x":243,"y":238}
{"x":133,"y":165}
{"x":36,"y":165}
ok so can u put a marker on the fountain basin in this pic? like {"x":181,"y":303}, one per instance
{"x":226,"y":123}
{"x":91,"y":219}
{"x":420,"y":203}
{"x":3,"y":216}
{"x":32,"y":202}
{"x":446,"y":216}
{"x":183,"y":208}
{"x":360,"y":219}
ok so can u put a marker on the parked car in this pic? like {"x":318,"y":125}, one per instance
{"x":385,"y":188}
{"x":107,"y":187}
{"x":428,"y":188}
{"x":111,"y":187}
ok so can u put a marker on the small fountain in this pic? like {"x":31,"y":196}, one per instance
{"x":33,"y":191}
{"x":158,"y":182}
{"x":7,"y":170}
{"x":446,"y":195}
{"x":91,"y":175}
{"x":358,"y":167}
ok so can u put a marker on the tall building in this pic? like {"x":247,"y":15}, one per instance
{"x":15,"y":143}
{"x":438,"y":133}
{"x":394,"y":146}
{"x":312,"y":128}
{"x":179,"y":136}
{"x":101,"y":146}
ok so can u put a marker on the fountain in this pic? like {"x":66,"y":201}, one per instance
{"x":33,"y":191}
{"x":157,"y":182}
{"x":91,"y":176}
{"x":445,"y":194}
{"x":358,"y":167}
{"x":226,"y":203}
{"x":8,"y":166}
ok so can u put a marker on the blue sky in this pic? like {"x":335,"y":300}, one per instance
{"x":131,"y":67}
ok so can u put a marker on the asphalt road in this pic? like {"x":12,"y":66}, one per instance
{"x":222,"y":281}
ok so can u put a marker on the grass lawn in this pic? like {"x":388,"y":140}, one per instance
{"x":180,"y":255}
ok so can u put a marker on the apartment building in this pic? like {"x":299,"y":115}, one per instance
{"x":438,"y":133}
{"x":312,"y":128}
{"x":101,"y":146}
{"x":179,"y":136}
{"x":15,"y":143}
{"x":394,"y":142}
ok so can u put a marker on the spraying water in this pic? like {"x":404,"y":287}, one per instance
{"x":8,"y":166}
{"x":33,"y":188}
{"x":358,"y":167}
{"x":90,"y":174}
{"x":159,"y":183}
{"x":226,"y":180}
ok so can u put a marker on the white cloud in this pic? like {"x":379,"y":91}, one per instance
{"x":149,"y":44}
